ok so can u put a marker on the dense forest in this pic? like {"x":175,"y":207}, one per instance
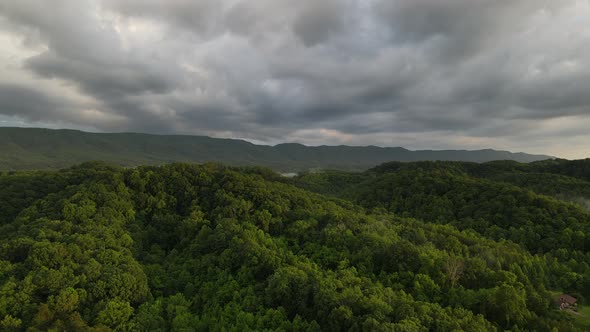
{"x":427,"y":246}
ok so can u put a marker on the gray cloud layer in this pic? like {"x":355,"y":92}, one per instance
{"x":418,"y":73}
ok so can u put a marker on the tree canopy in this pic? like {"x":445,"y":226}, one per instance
{"x":405,"y":247}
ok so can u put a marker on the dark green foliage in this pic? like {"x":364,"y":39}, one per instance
{"x":499,"y":200}
{"x":207,"y":247}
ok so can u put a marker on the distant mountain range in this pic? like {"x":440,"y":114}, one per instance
{"x":35,"y":148}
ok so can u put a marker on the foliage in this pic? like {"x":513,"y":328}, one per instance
{"x":208,"y":247}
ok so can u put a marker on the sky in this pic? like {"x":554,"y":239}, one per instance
{"x":422,"y":74}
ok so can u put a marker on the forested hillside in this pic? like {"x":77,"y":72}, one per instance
{"x":542,"y":206}
{"x":402,"y":247}
{"x":531,"y":204}
{"x":43,"y":149}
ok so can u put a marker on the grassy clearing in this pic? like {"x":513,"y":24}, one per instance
{"x":583,"y":321}
{"x":584,"y":310}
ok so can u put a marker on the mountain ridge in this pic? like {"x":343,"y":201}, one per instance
{"x":42,"y":148}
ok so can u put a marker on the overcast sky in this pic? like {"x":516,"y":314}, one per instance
{"x":503,"y":74}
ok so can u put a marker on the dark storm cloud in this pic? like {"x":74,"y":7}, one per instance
{"x":30,"y":104}
{"x":458,"y":28}
{"x":35,"y":105}
{"x":105,"y":81}
{"x":275,"y":70}
{"x":316,"y":24}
